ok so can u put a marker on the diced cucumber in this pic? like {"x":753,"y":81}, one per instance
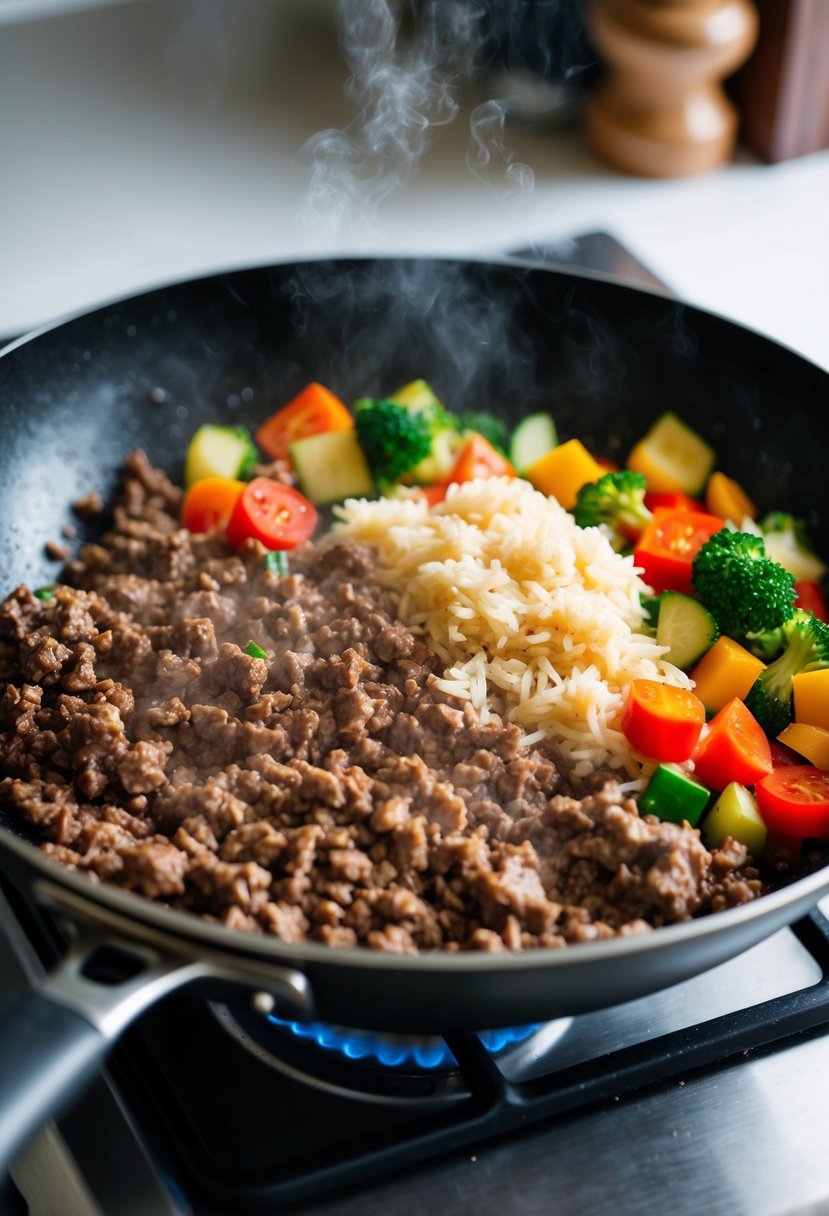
{"x":416,"y":395}
{"x":673,"y":457}
{"x":672,"y":795}
{"x":685,"y":627}
{"x":219,"y":451}
{"x":331,"y":466}
{"x":532,"y":438}
{"x":735,"y":814}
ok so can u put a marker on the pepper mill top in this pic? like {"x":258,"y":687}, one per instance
{"x":661,"y":110}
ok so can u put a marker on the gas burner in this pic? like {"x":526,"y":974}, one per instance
{"x":375,"y":1067}
{"x":424,"y":1053}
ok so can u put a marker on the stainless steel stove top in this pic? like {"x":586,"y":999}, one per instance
{"x":748,"y":1135}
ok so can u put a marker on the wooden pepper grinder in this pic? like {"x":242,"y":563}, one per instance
{"x":661,"y":110}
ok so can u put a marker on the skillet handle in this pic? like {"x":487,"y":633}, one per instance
{"x":48,"y":1054}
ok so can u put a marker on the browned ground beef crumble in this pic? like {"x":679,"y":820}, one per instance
{"x":330,"y":792}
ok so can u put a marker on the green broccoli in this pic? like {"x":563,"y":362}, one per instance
{"x":807,"y":649}
{"x":616,"y":499}
{"x":493,"y":429}
{"x":395,"y":439}
{"x":744,"y":589}
{"x":444,"y":443}
{"x":787,"y":542}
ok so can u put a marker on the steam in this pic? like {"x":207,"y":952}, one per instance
{"x":406,"y":75}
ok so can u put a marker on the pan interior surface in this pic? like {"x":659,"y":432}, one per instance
{"x":605,"y":360}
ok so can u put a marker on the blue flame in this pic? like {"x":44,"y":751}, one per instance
{"x":427,"y":1054}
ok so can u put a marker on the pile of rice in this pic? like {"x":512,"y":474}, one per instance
{"x":533,"y":616}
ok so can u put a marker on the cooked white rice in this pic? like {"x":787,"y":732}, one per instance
{"x":532,"y":615}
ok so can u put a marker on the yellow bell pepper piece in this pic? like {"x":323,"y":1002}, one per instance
{"x":811,"y":697}
{"x":728,"y":670}
{"x":672,"y":457}
{"x":563,"y":471}
{"x":728,"y":499}
{"x":810,"y":741}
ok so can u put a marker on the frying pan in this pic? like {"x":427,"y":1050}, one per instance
{"x":605,"y":359}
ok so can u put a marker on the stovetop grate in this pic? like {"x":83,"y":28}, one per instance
{"x":335,"y":1142}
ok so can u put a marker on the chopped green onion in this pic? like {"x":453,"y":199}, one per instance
{"x":255,"y":652}
{"x":276,"y":560}
{"x":44,"y":593}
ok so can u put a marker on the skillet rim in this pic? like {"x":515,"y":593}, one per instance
{"x":157,"y":916}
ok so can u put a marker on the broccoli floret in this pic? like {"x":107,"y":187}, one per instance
{"x":766,"y":645}
{"x":744,"y":589}
{"x":493,"y":429}
{"x":787,"y":542}
{"x":394,"y":438}
{"x":807,"y":649}
{"x":616,"y":499}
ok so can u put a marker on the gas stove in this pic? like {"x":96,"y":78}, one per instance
{"x":707,"y":1096}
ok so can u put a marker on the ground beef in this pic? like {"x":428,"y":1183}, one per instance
{"x":329,"y":792}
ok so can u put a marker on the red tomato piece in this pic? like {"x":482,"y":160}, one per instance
{"x":662,"y":722}
{"x":434,"y":494}
{"x":311,"y":412}
{"x":734,"y":748}
{"x":478,"y":458}
{"x":667,"y":547}
{"x":672,"y":499}
{"x":278,"y":516}
{"x":810,"y":598}
{"x":794,"y":800}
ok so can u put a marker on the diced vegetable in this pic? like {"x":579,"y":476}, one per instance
{"x":533,"y":438}
{"x":43,"y":593}
{"x":477,"y":458}
{"x":255,"y":651}
{"x":616,"y":500}
{"x":219,"y":451}
{"x":668,"y":545}
{"x":733,"y":748}
{"x":811,"y":697}
{"x":794,"y":800}
{"x":331,"y":466}
{"x":770,"y":699}
{"x":727,"y":671}
{"x":673,"y":795}
{"x":662,"y":722}
{"x":735,"y":814}
{"x":437,"y":464}
{"x":746,"y":591}
{"x":728,"y":499}
{"x":311,"y":412}
{"x":209,"y":503}
{"x":493,"y":429}
{"x":276,"y":560}
{"x":563,"y":471}
{"x":810,"y":598}
{"x":686,"y":627}
{"x":811,"y":742}
{"x":673,"y":457}
{"x":276,"y":515}
{"x":416,"y":395}
{"x":788,"y":543}
{"x":672,"y":499}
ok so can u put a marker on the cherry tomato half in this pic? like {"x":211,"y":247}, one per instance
{"x":478,"y":458}
{"x":278,"y":516}
{"x":735,"y":748}
{"x":794,"y":800}
{"x":673,"y":499}
{"x":662,"y":722}
{"x":671,"y":540}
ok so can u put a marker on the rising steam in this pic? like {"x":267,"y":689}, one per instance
{"x":407,"y":69}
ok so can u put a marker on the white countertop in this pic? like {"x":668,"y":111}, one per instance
{"x":145,"y":142}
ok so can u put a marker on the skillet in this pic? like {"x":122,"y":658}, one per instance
{"x":604,"y":359}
